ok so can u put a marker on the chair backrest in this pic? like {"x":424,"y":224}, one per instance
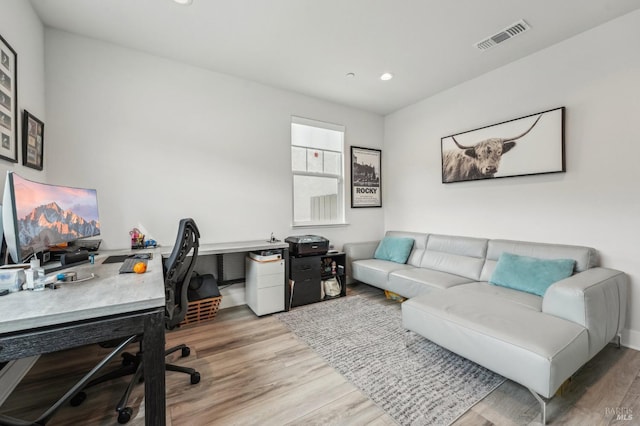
{"x":178,"y":270}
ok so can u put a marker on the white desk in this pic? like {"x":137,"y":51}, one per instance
{"x":110,"y":306}
{"x":220,"y":249}
{"x":241,"y":246}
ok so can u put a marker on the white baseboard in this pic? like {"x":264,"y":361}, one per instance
{"x":631,"y":339}
{"x":12,"y":373}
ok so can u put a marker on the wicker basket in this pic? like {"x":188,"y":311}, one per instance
{"x":202,"y":310}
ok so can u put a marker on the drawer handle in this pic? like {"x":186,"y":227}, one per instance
{"x":305,"y":268}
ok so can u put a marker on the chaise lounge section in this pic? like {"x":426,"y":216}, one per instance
{"x":535,"y":340}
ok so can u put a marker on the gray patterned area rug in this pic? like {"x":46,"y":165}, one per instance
{"x":413,"y":380}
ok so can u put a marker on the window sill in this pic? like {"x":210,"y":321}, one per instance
{"x":320,"y":225}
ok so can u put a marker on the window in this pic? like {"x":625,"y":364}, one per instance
{"x":318,"y":168}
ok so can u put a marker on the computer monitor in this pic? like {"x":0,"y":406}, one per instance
{"x":36,"y":216}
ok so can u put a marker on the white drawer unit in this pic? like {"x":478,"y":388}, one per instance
{"x":265,"y":286}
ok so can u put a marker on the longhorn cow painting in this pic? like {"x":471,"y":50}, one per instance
{"x":524,"y":146}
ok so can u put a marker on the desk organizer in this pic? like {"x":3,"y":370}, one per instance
{"x":202,"y":310}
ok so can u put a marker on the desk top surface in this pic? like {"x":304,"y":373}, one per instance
{"x":109,"y":293}
{"x":235,"y":247}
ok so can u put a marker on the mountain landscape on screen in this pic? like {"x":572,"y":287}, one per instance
{"x":47,"y":224}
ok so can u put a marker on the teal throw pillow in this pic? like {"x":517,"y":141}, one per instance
{"x":530,"y":274}
{"x":395,"y":249}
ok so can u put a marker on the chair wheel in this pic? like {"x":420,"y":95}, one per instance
{"x":195,"y":378}
{"x":78,"y":399}
{"x":124,"y":415}
{"x":186,"y":352}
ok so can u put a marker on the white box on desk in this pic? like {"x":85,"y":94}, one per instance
{"x":12,"y":278}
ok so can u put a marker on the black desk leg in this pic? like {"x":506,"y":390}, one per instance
{"x":287,"y":285}
{"x":154,"y":373}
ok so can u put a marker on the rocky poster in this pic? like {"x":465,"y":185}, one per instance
{"x":366,"y":188}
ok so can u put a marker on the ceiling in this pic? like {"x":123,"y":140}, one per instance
{"x":308,"y":46}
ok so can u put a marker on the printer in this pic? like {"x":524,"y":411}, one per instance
{"x":307,"y":245}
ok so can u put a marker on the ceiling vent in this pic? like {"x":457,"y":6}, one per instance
{"x":509,"y":32}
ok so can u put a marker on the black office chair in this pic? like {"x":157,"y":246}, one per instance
{"x":178,"y":273}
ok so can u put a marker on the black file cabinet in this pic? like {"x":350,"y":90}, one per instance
{"x":308,"y":273}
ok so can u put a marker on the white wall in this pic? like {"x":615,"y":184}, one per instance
{"x":162,"y":140}
{"x":22,"y":29}
{"x":596,"y":76}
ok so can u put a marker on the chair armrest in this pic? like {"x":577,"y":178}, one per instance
{"x":358,"y":251}
{"x":595,"y":299}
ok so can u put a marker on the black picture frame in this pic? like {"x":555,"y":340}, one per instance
{"x":366,"y":177}
{"x":529,"y":145}
{"x":32,"y":141}
{"x":8,"y":102}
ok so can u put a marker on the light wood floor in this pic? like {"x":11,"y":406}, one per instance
{"x":255,"y":372}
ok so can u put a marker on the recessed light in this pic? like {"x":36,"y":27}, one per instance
{"x":386,"y":76}
{"x":184,"y":2}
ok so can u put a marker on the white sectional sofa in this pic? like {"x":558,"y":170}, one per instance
{"x":537,"y":341}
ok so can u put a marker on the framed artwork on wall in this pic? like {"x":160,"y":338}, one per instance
{"x":366,"y":180}
{"x":524,"y":146}
{"x":32,"y":141}
{"x":8,"y":102}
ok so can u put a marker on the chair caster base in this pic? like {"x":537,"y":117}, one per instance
{"x":195,"y":378}
{"x":124,"y":415}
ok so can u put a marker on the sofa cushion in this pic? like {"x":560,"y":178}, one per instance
{"x":419,"y":244}
{"x":585,"y":257}
{"x":505,"y":295}
{"x":456,"y":255}
{"x":530,"y":274}
{"x":394,"y":249}
{"x":375,"y":271}
{"x":499,"y":335}
{"x":413,"y":282}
